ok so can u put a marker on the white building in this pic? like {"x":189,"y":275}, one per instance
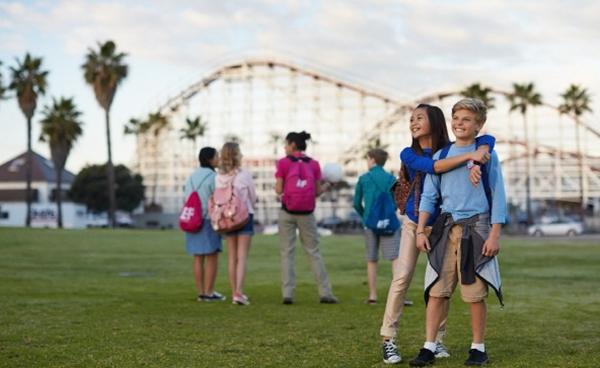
{"x":13,"y":207}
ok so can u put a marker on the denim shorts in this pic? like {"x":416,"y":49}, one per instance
{"x":248,"y":229}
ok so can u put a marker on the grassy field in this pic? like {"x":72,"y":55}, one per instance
{"x":101,"y":298}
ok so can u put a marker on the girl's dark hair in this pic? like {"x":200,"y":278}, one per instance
{"x":299,"y":139}
{"x":205,"y":156}
{"x":437,"y":126}
{"x":438,"y":129}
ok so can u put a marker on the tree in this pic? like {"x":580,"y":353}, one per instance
{"x":372,"y":143}
{"x":60,"y":128}
{"x":233,"y":138}
{"x":476,"y":90}
{"x":155,"y":123}
{"x":104,"y":69}
{"x":194,"y":128}
{"x":2,"y":87}
{"x":91,"y":183}
{"x":29,"y":81}
{"x":576,"y":101}
{"x":522,"y":97}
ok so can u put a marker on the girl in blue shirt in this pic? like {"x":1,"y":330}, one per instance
{"x":429,"y":134}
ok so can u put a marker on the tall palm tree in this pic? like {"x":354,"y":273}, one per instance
{"x":104,"y":69}
{"x":576,"y":101}
{"x":476,"y":90}
{"x":155,"y":123}
{"x":60,"y":128}
{"x":29,"y":81}
{"x":275,"y":139}
{"x":2,"y":87}
{"x":521,"y":98}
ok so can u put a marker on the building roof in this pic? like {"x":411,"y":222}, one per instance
{"x":42,"y":170}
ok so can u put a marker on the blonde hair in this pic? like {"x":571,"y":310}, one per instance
{"x":231,"y":157}
{"x":474,"y":105}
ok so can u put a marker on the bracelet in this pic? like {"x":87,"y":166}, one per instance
{"x":420,"y":232}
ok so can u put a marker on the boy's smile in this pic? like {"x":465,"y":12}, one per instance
{"x":465,"y":125}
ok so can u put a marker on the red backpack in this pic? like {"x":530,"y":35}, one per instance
{"x":299,"y":189}
{"x":190,"y":218}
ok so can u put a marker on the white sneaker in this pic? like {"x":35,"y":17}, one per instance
{"x":391,"y":355}
{"x":441,"y":351}
{"x":240,"y":300}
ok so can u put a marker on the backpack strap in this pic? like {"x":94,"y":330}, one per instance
{"x":300,"y":158}
{"x":485,"y":175}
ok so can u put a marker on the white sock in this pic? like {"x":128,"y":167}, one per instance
{"x":480,"y":347}
{"x":430,"y":346}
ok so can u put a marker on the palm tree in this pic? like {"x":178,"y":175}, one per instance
{"x":475,"y":90}
{"x":28,"y":80}
{"x":60,"y":128}
{"x":576,"y":101}
{"x":155,"y":123}
{"x":275,"y":139}
{"x":2,"y":87}
{"x":104,"y":69}
{"x":194,"y":128}
{"x":522,"y":97}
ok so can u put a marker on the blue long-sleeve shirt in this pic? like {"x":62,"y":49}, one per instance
{"x":458,"y":196}
{"x":424,"y":164}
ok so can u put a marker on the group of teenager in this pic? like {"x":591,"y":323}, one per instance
{"x":451,"y":196}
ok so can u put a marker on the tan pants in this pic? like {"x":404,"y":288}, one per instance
{"x":309,"y":237}
{"x":450,"y":274}
{"x":402,"y":276}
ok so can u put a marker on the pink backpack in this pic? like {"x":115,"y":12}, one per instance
{"x":299,"y":190}
{"x":226,"y":210}
{"x":190,"y":218}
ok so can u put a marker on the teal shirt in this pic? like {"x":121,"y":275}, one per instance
{"x":369,"y":186}
{"x":203,"y":182}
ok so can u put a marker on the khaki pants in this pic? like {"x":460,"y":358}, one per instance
{"x":450,"y":274}
{"x":309,"y":237}
{"x":402,"y":276}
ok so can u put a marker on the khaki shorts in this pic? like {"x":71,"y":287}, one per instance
{"x":450,"y":274}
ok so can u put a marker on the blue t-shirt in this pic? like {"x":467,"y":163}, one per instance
{"x":424,"y":164}
{"x":458,"y":196}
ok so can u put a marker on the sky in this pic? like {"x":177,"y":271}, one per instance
{"x":406,"y":48}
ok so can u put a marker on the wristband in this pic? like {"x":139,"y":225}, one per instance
{"x":420,"y":232}
{"x":471,"y":164}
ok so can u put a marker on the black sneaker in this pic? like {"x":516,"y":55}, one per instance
{"x":214,"y":297}
{"x":328,"y":300}
{"x":425,"y":357}
{"x":390,"y":353}
{"x":476,"y":357}
{"x":288,"y":301}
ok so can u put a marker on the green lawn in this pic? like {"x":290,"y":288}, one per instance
{"x":126,"y":298}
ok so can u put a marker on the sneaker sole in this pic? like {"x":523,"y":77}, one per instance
{"x":392,"y":362}
{"x":442,"y":355}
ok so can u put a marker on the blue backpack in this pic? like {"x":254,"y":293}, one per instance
{"x":485,"y":177}
{"x":382,"y":219}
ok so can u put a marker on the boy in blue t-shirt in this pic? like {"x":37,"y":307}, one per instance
{"x":465,"y":237}
{"x":369,"y":186}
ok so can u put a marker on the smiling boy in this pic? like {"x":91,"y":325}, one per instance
{"x":465,"y":237}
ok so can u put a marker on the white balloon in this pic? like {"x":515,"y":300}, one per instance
{"x":333,"y":172}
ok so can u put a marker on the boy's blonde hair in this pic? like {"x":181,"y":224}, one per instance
{"x":474,"y":105}
{"x":231,"y":157}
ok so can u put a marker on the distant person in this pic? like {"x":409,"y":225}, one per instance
{"x":238,"y":242}
{"x":371,"y":195}
{"x":429,"y":134}
{"x":298,"y":182}
{"x":464,"y":241}
{"x":204,"y":245}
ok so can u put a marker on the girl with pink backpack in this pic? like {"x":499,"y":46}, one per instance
{"x":298,"y":182}
{"x":231,"y":211}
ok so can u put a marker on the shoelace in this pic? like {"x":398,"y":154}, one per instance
{"x":390,"y":348}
